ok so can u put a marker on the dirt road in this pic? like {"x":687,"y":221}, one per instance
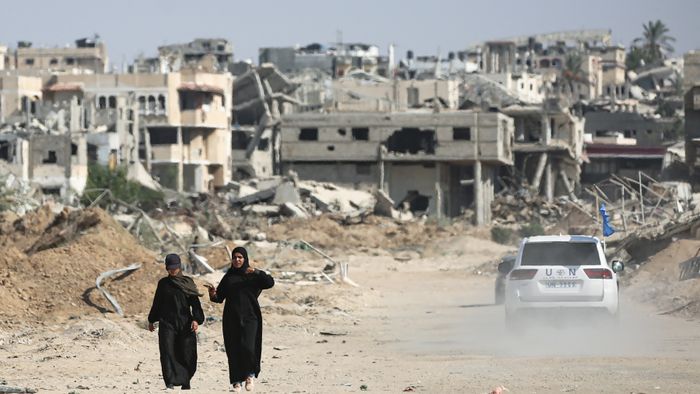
{"x":423,"y":325}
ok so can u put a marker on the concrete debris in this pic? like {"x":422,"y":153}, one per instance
{"x":263,"y":210}
{"x":286,"y":193}
{"x":138,"y":173}
{"x":526,"y":208}
{"x":12,"y":389}
{"x":329,"y":197}
{"x":384,"y":205}
{"x":294,"y":210}
{"x":16,"y":195}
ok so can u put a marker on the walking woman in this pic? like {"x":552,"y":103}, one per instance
{"x":177,"y":309}
{"x":242,"y":321}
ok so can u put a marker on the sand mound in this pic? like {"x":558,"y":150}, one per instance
{"x":374,"y":232}
{"x":50,"y":263}
{"x":656,"y":281}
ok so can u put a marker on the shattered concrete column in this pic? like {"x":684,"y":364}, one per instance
{"x":546,"y":132}
{"x":147,"y":143}
{"x":438,"y":191}
{"x":75,"y":112}
{"x":548,"y":181}
{"x":478,"y":194}
{"x":380,"y":154}
{"x":538,"y":172}
{"x":180,"y":161}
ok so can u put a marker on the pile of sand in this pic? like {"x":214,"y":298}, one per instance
{"x":657,"y":282}
{"x":50,"y":262}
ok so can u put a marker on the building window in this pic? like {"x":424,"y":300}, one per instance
{"x":412,"y":97}
{"x":112,"y":102}
{"x":102,"y":102}
{"x":461,"y":133}
{"x":70,"y":61}
{"x":151,"y":104}
{"x":51,"y":157}
{"x":308,"y":134}
{"x":264,"y":144}
{"x":142,"y":104}
{"x":53,"y":61}
{"x":360,"y":134}
{"x":239,"y":140}
{"x":163,"y":136}
{"x":363,"y":169}
{"x":29,"y":62}
{"x":73,"y":149}
{"x":161,"y":103}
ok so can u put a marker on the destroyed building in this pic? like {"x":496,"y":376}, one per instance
{"x":336,"y":60}
{"x":178,"y":124}
{"x":691,"y":103}
{"x":206,"y":54}
{"x":548,"y":148}
{"x":437,"y":163}
{"x":362,"y":92}
{"x":56,"y":163}
{"x":260,"y":96}
{"x":20,"y":97}
{"x":89,"y":55}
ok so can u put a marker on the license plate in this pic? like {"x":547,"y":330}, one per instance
{"x":560,"y":284}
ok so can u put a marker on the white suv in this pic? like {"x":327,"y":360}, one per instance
{"x":562,"y":272}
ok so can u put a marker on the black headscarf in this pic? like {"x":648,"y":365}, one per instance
{"x":239,"y":271}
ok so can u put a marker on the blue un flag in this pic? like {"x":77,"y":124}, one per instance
{"x":607,"y":229}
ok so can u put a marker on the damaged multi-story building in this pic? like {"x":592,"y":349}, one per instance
{"x":437,"y":163}
{"x":89,"y":55}
{"x":548,"y":148}
{"x":260,"y":97}
{"x":50,"y":156}
{"x":206,"y":54}
{"x":335,"y":60}
{"x":56,"y":163}
{"x":691,"y":103}
{"x":624,"y":143}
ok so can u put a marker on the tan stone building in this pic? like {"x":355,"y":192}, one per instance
{"x":184,"y":118}
{"x":87,"y":56}
{"x":19,"y":96}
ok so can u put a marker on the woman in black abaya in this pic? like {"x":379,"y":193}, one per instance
{"x":177,"y":309}
{"x":242,"y":321}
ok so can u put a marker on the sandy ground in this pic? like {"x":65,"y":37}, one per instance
{"x":423,"y":325}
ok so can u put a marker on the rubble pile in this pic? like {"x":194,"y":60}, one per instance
{"x":16,"y":195}
{"x":512,"y":209}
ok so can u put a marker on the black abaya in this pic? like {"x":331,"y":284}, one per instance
{"x":175,"y":311}
{"x":242,"y":320}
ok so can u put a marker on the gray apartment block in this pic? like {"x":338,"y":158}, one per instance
{"x":438,"y":163}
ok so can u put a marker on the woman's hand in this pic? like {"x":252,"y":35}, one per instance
{"x":151,"y":327}
{"x":195,"y":326}
{"x":212,"y":290}
{"x":249,"y":270}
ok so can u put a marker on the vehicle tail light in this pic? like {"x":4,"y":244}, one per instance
{"x":598,"y":273}
{"x":523,"y":274}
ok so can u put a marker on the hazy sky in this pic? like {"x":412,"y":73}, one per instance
{"x":132,"y":27}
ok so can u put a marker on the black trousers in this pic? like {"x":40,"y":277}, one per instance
{"x":178,"y":355}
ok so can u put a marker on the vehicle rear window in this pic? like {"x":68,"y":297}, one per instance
{"x":560,"y":253}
